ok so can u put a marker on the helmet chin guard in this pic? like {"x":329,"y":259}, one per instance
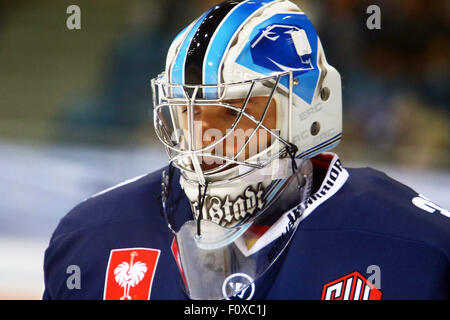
{"x":208,"y":260}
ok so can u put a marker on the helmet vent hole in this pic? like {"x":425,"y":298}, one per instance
{"x":325,"y":93}
{"x":315,"y":128}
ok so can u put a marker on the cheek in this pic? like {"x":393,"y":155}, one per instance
{"x":217,"y":118}
{"x":245,"y":124}
{"x":270,"y":121}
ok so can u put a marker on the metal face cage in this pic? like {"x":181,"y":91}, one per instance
{"x":176,"y":108}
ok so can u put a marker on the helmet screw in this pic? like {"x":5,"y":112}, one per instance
{"x":315,"y":128}
{"x":324,"y":93}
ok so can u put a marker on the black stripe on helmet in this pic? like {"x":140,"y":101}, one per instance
{"x":193,"y":66}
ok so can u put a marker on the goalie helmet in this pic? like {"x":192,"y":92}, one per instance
{"x":251,"y":74}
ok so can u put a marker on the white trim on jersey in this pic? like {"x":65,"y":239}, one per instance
{"x":335,"y":178}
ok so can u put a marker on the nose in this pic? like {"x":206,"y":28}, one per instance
{"x":211,"y":125}
{"x":204,"y":118}
{"x":202,"y":122}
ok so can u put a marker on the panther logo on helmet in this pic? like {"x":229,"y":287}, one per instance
{"x":288,"y":44}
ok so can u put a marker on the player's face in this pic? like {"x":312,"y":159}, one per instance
{"x":212,"y":122}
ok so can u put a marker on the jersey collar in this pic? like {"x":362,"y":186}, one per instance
{"x":335,"y":178}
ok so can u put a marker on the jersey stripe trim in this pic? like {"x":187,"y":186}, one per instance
{"x":117,"y":186}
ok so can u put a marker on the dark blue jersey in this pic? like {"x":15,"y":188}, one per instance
{"x":363,"y":236}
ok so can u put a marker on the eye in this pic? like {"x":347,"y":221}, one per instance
{"x":231,"y":112}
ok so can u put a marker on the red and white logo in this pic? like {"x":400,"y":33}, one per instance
{"x":176,"y":254}
{"x":351,"y":287}
{"x":130,"y":272}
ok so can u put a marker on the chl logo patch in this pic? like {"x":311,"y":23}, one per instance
{"x":351,"y":287}
{"x":130,"y":272}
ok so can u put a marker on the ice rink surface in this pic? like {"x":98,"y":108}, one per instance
{"x":38,"y":185}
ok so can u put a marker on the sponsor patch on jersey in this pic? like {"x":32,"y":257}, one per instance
{"x":426,"y":204}
{"x":351,"y":287}
{"x":129,"y":274}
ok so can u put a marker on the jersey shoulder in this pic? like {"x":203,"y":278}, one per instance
{"x":134,"y":199}
{"x":371,"y":201}
{"x":124,"y":216}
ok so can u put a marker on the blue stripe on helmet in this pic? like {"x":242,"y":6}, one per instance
{"x":177,"y":71}
{"x":224,"y":35}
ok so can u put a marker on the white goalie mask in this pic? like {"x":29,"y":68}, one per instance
{"x":246,"y":98}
